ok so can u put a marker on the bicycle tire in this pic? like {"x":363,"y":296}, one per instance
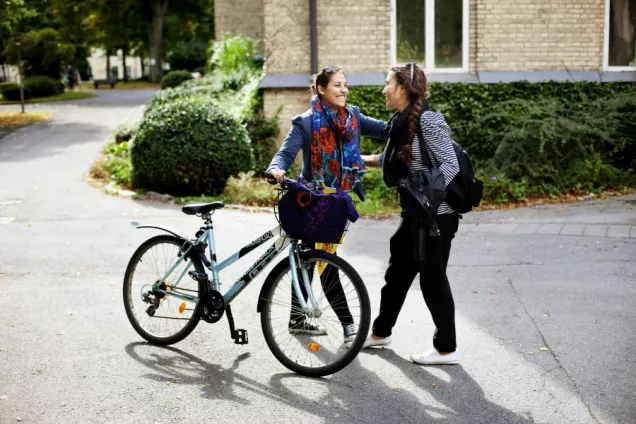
{"x":133,"y":264}
{"x":269,"y":288}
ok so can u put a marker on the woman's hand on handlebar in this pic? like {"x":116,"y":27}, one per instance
{"x":278,"y":174}
{"x":274,"y":176}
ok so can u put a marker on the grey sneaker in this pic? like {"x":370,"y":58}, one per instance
{"x":303,"y":327}
{"x":350,"y":333}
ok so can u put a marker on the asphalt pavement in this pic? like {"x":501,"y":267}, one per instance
{"x":545,"y":301}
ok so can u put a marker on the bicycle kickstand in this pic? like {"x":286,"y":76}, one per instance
{"x":239,"y":335}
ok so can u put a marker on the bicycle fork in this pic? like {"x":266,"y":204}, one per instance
{"x":312,"y":311}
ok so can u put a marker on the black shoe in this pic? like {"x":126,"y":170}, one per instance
{"x":303,"y":327}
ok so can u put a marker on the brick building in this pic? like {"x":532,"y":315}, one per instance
{"x":456,"y":40}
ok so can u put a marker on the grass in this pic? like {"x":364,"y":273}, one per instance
{"x":68,"y":95}
{"x":130,"y":85}
{"x":13,"y":120}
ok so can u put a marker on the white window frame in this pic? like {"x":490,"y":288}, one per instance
{"x":430,"y":38}
{"x":606,"y":65}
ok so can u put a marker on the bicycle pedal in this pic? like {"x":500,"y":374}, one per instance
{"x":240,"y":337}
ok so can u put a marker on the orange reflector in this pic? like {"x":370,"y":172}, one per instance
{"x":313,"y":347}
{"x":182,"y":307}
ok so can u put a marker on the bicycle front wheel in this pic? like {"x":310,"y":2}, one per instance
{"x":162,"y":312}
{"x":316,"y":344}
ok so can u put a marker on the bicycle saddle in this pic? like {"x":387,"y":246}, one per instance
{"x":195,"y":208}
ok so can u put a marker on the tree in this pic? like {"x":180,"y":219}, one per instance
{"x":42,"y":52}
{"x":157,"y":9}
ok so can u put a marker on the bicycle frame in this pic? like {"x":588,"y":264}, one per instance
{"x":207,"y":236}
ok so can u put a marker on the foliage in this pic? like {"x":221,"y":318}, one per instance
{"x":115,"y":165}
{"x":43,"y":86}
{"x":233,"y":54}
{"x":11,"y":92}
{"x":189,"y":55}
{"x":175,"y":78}
{"x":43,"y":53}
{"x":246,"y":189}
{"x":189,"y":146}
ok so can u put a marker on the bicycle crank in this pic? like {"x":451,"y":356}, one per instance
{"x":212,"y":306}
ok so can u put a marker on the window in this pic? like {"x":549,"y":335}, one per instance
{"x":620,"y":34}
{"x":432,"y":32}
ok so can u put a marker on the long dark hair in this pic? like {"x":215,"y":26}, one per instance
{"x":322,"y":79}
{"x":413,"y":79}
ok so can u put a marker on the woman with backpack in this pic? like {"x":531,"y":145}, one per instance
{"x":406,"y":92}
{"x":329,"y":136}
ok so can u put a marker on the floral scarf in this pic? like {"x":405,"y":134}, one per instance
{"x":335,"y":157}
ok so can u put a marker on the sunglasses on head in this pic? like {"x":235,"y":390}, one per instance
{"x":412,"y":66}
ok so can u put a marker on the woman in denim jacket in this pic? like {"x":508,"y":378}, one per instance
{"x":329,"y":136}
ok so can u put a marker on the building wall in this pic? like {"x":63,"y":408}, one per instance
{"x":532,"y":35}
{"x":293,"y":101}
{"x":355,"y":36}
{"x":97,"y":62}
{"x":287,"y":43}
{"x":239,"y":17}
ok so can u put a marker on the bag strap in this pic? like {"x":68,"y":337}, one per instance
{"x":426,"y":159}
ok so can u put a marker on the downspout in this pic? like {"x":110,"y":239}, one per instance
{"x":313,"y":34}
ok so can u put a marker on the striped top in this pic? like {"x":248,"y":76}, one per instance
{"x":439,"y":144}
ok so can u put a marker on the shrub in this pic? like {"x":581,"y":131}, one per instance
{"x":247,"y":189}
{"x":115,"y":165}
{"x":189,"y":146}
{"x":201,"y":70}
{"x":174,"y":78}
{"x":6,"y":84}
{"x":262,"y":133}
{"x":232,"y":54}
{"x":165,"y":96}
{"x":189,"y":55}
{"x":11,"y":91}
{"x":43,"y":86}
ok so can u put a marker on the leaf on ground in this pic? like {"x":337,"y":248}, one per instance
{"x":491,"y":292}
{"x":530,"y":353}
{"x":4,"y":397}
{"x":544,"y":349}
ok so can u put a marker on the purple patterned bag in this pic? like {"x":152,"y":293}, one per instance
{"x":313,"y":216}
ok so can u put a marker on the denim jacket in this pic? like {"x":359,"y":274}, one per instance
{"x":299,"y":138}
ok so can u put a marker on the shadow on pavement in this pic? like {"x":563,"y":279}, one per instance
{"x":356,"y":394}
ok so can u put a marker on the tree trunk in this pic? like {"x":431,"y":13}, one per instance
{"x":107,"y":64}
{"x":141,"y":62}
{"x":4,"y":73}
{"x":123,"y":60}
{"x":155,"y":38}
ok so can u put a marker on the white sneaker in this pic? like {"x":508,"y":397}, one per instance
{"x":432,"y":357}
{"x":371,"y":342}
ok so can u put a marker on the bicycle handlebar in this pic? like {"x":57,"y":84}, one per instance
{"x":270,"y":178}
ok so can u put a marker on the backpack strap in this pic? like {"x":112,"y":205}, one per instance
{"x":426,"y":159}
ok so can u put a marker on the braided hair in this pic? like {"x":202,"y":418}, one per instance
{"x":413,"y":79}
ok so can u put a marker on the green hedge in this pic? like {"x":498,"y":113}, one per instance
{"x":175,"y":78}
{"x":529,"y":138}
{"x":11,"y":91}
{"x":43,"y":86}
{"x":188,"y":146}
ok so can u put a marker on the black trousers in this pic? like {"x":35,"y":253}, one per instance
{"x":332,"y":287}
{"x":435,"y":287}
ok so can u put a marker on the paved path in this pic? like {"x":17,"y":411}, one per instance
{"x":545,"y":299}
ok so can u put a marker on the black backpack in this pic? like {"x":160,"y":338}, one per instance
{"x":465,"y":191}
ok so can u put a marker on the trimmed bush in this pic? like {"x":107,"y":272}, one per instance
{"x":6,"y":84}
{"x":11,"y":91}
{"x":175,"y":78}
{"x":43,"y":86}
{"x":189,"y":146}
{"x":189,"y":55}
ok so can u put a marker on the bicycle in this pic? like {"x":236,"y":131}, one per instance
{"x":304,"y":330}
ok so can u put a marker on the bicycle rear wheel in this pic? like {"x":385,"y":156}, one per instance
{"x":156,"y":311}
{"x":316,"y":346}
